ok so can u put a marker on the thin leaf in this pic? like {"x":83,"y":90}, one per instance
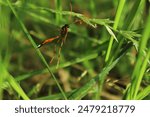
{"x":111,"y":33}
{"x":11,"y":80}
{"x":81,"y":92}
{"x":62,"y":65}
{"x":143,"y":93}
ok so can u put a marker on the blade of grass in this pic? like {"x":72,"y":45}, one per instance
{"x":17,"y":87}
{"x":4,"y":48}
{"x":62,"y":65}
{"x":136,"y":80}
{"x":58,"y":5}
{"x":81,"y":92}
{"x":92,"y":7}
{"x":111,"y":33}
{"x":55,"y":96}
{"x":131,"y":16}
{"x":34,"y":45}
{"x":122,"y":52}
{"x":137,"y":73}
{"x":11,"y":80}
{"x":116,"y":22}
{"x":143,"y":93}
{"x":3,"y":75}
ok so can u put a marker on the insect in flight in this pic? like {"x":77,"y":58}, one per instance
{"x":60,"y":39}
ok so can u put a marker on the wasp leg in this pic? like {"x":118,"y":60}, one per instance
{"x":54,"y":54}
{"x":59,"y":54}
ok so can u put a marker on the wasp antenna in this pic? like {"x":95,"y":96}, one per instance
{"x":70,"y":4}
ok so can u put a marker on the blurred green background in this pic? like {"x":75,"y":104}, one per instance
{"x":82,"y":55}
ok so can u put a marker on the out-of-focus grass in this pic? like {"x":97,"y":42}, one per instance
{"x":83,"y":73}
{"x":117,"y":18}
{"x":141,"y":65}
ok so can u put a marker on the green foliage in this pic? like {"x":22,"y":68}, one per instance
{"x":141,"y":64}
{"x":91,"y":64}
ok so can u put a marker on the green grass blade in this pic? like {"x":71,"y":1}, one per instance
{"x":143,"y":93}
{"x":140,"y":66}
{"x":62,"y":65}
{"x":3,"y":75}
{"x":58,"y":4}
{"x":136,"y":80}
{"x":37,"y":50}
{"x":116,"y":22}
{"x":131,"y":16}
{"x":11,"y":80}
{"x":80,"y":93}
{"x":55,"y":96}
{"x":17,"y":87}
{"x":125,"y":34}
{"x":111,"y":33}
